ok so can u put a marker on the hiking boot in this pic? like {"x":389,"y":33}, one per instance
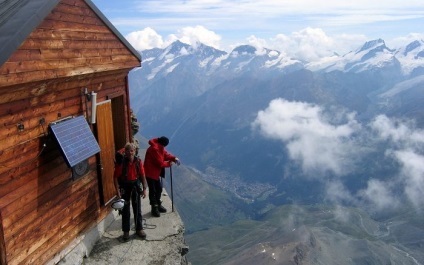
{"x":141,"y":234}
{"x":126,"y":236}
{"x":162,"y":209}
{"x":155,"y":211}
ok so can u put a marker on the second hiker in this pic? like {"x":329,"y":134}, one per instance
{"x":155,"y":160}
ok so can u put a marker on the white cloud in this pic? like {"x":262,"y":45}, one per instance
{"x":309,"y":44}
{"x":407,"y":147}
{"x":149,"y":38}
{"x":310,"y":138}
{"x":312,"y":44}
{"x":413,"y":175}
{"x":380,"y":195}
{"x":258,"y":43}
{"x":337,"y":193}
{"x":194,"y":35}
{"x":145,"y":39}
{"x":404,"y":40}
{"x":321,"y":147}
{"x":400,"y":132}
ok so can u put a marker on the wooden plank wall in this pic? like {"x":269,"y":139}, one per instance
{"x":41,"y":208}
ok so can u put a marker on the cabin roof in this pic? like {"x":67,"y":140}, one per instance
{"x":18,"y":18}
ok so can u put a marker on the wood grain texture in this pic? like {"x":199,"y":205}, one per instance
{"x":42,"y":209}
{"x":71,"y":41}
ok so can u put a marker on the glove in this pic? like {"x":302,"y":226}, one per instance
{"x":177,"y":161}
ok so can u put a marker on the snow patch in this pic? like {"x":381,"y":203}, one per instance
{"x":171,"y":68}
{"x":403,"y":86}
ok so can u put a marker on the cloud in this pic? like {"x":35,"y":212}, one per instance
{"x":380,"y":195}
{"x":308,"y":44}
{"x":312,"y":44}
{"x":258,"y":43}
{"x":405,"y":40}
{"x":194,"y":35}
{"x":412,"y":173}
{"x":309,"y":136}
{"x":149,"y":38}
{"x":337,"y":193}
{"x":401,"y":132}
{"x":406,"y":145}
{"x":145,"y":39}
{"x":330,"y":142}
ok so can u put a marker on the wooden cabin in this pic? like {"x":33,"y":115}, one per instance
{"x":61,"y":61}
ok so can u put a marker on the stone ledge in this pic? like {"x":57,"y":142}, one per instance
{"x":164,"y":244}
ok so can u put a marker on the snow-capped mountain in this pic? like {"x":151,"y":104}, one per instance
{"x":411,"y":57}
{"x":160,"y":62}
{"x":373,"y":54}
{"x":180,"y":72}
{"x":209,"y":61}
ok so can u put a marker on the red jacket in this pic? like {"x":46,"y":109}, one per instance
{"x":156,"y":158}
{"x":131,"y":169}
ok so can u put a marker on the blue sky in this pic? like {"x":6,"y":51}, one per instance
{"x":315,"y":28}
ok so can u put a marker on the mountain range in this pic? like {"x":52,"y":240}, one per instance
{"x":181,"y":72}
{"x":257,"y":131}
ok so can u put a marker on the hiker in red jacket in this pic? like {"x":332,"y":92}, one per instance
{"x":155,"y":160}
{"x":130,"y":184}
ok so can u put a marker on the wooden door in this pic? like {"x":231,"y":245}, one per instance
{"x":118,"y":112}
{"x":105,"y":136}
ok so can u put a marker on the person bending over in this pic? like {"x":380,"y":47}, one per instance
{"x":155,"y":160}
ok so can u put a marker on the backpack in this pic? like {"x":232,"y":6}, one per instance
{"x":119,"y":156}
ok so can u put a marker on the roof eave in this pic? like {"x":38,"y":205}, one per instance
{"x":16,"y":29}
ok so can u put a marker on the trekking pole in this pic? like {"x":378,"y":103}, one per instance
{"x":172,"y":191}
